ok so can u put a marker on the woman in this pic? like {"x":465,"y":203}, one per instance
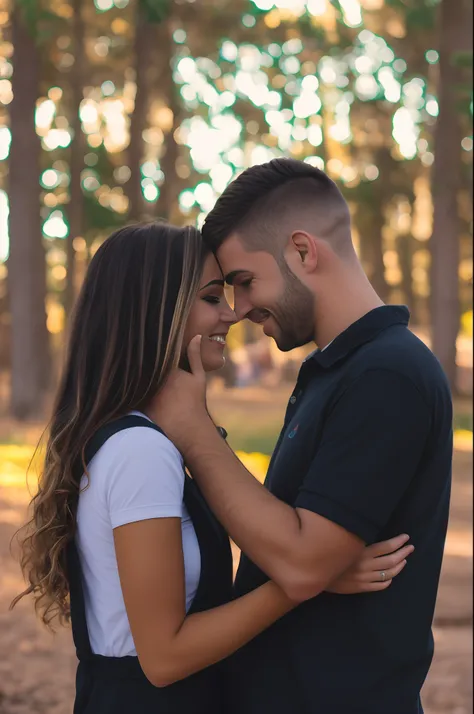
{"x":117,"y":525}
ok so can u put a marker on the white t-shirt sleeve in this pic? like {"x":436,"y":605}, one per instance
{"x":144,"y":476}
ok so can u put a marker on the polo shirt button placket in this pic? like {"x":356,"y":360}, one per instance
{"x":292,"y":399}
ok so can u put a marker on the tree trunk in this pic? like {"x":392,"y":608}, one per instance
{"x":167,"y":207}
{"x":405,"y":257}
{"x":375,"y":239}
{"x":144,"y":39}
{"x":31,"y":366}
{"x":371,"y":201}
{"x":454,"y":16}
{"x":370,"y":222}
{"x":76,"y":203}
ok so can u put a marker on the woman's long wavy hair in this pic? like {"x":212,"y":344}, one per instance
{"x":126,"y":337}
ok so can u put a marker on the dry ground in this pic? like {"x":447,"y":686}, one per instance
{"x":37,"y":669}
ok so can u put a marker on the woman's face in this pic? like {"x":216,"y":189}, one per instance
{"x":211,"y":316}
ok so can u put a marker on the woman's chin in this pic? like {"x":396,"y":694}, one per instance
{"x":213,"y":364}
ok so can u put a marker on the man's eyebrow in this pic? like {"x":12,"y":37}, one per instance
{"x":213,"y":282}
{"x":230,"y":277}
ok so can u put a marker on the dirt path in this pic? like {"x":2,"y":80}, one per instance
{"x":37,"y":669}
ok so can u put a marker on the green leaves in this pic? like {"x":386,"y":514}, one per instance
{"x":155,"y":11}
{"x":29,"y":11}
{"x":462,"y":59}
{"x":418,"y":14}
{"x":99,"y":218}
{"x":421,"y":18}
{"x":40,"y":23}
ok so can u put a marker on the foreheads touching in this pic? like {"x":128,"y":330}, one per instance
{"x":280,"y":205}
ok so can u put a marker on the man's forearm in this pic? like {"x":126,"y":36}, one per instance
{"x":265,"y":528}
{"x":259,"y":523}
{"x":299,"y":549}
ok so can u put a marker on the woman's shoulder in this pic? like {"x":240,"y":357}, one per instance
{"x":138,"y":467}
{"x":140,"y":441}
{"x":138,"y":452}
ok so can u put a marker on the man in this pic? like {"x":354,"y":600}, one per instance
{"x":365,"y":453}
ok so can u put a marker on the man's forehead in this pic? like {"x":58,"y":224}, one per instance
{"x":233,"y":250}
{"x":231,"y":247}
{"x":233,"y":257}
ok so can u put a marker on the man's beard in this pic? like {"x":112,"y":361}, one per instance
{"x":294,"y":313}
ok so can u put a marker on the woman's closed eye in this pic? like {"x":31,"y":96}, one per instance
{"x":213,"y":299}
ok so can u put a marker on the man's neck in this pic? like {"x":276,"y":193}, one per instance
{"x":352,"y":297}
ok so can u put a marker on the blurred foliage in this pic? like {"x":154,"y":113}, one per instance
{"x":466,"y":323}
{"x":210,"y":88}
{"x":15,"y":460}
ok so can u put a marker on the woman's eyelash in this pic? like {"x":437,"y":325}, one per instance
{"x":212,"y":299}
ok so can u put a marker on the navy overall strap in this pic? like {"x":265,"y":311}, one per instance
{"x":80,"y":631}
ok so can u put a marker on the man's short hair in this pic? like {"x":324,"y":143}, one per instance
{"x":269,"y":201}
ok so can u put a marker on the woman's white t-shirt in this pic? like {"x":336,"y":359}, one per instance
{"x":136,"y":475}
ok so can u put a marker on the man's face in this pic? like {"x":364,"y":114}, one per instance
{"x":267,"y":294}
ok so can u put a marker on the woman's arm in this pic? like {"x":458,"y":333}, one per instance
{"x":376,"y":568}
{"x":169,"y":644}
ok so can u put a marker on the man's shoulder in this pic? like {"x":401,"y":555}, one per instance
{"x":401,"y":353}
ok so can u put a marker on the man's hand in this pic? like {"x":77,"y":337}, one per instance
{"x":181,"y":402}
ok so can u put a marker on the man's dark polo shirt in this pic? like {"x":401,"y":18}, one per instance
{"x":366,"y":443}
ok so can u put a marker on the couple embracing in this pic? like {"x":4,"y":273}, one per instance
{"x":332,"y":605}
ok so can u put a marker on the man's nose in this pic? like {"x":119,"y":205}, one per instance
{"x":228,"y":316}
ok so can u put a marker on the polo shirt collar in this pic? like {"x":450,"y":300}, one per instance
{"x":362,"y":331}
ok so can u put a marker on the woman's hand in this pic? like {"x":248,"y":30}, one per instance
{"x":378,"y":565}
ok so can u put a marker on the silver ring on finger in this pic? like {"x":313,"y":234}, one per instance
{"x":383,"y":575}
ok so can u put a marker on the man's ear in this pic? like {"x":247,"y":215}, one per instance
{"x":304,"y":244}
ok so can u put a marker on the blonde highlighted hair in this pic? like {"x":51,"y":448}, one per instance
{"x":126,"y":337}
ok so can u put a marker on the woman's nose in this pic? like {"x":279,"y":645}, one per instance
{"x":229,"y":316}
